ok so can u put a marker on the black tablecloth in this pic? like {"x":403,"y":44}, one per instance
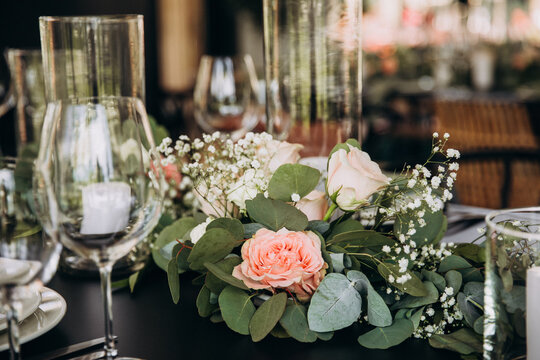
{"x":150,"y":326}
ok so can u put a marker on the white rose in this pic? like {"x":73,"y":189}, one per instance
{"x":198,"y":231}
{"x":242,"y":190}
{"x":353,"y":178}
{"x":281,"y":152}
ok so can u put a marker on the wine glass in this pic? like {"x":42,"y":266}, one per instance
{"x":29,"y":250}
{"x":104,"y":181}
{"x":225,"y":96}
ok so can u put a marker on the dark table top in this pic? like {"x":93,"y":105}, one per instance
{"x":150,"y":326}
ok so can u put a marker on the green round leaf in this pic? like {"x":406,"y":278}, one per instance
{"x":234,"y":226}
{"x":275,"y":214}
{"x":410,"y":302}
{"x":220,"y":274}
{"x":291,"y":179}
{"x":295,"y":322}
{"x":267,"y":316}
{"x":454,"y":280}
{"x":174,"y":280}
{"x":204,"y":307}
{"x":236,"y":308}
{"x":414,"y":286}
{"x":386,"y":337}
{"x":431,"y":233}
{"x":214,"y":245}
{"x":335,"y":305}
{"x":464,"y":341}
{"x":169,"y":234}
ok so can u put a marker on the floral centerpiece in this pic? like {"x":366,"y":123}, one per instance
{"x":282,"y":253}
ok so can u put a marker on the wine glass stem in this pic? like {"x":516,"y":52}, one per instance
{"x":12,"y":324}
{"x":105,"y":275}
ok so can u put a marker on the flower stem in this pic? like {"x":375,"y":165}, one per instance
{"x":330,"y":211}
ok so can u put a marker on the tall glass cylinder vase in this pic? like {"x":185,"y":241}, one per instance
{"x":511,"y":315}
{"x":95,"y":56}
{"x":313,"y":71}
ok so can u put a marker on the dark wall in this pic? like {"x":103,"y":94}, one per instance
{"x":19,"y":29}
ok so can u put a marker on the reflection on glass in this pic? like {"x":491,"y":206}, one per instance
{"x":225,"y":95}
{"x":29,"y":250}
{"x":103,"y":179}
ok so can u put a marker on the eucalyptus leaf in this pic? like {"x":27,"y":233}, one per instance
{"x":515,"y":299}
{"x":219,"y":274}
{"x":377,"y":310}
{"x":454,"y":280}
{"x":413,"y":286}
{"x":318,"y":225}
{"x":471,"y":274}
{"x":216,"y":318}
{"x":472,"y":252}
{"x":250,"y":229}
{"x":294,"y":320}
{"x":478,"y":326}
{"x":416,"y":317}
{"x":168,"y":235}
{"x":386,"y":337}
{"x":291,"y":179}
{"x":204,"y":307}
{"x":464,"y":341}
{"x":279,"y":332}
{"x":410,"y":302}
{"x":335,"y":304}
{"x":338,"y":262}
{"x":339,"y":227}
{"x":132,"y":280}
{"x":436,"y":279}
{"x":214,"y":245}
{"x":430,"y":233}
{"x":234,"y":226}
{"x":453,"y":262}
{"x":325,"y":336}
{"x":275,"y":214}
{"x":470,"y":311}
{"x":361,"y":238}
{"x":267,"y":316}
{"x":174,"y":280}
{"x":236,"y":308}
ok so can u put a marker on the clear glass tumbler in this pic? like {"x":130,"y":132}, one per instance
{"x":95,"y":56}
{"x":512,"y":284}
{"x":86,"y":56}
{"x":225,"y":96}
{"x":313,"y":71}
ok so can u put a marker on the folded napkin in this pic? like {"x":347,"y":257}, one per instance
{"x":18,"y":272}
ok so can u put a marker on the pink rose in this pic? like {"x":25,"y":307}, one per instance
{"x":314,"y":205}
{"x":353,"y":177}
{"x":282,"y":152}
{"x":172,"y":174}
{"x":285,"y":259}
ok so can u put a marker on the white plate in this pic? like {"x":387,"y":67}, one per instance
{"x":49,"y":313}
{"x":29,"y":305}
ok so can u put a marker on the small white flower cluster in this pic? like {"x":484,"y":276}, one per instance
{"x":451,"y":315}
{"x":224,"y":174}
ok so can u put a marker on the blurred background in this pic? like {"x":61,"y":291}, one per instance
{"x":425,"y":64}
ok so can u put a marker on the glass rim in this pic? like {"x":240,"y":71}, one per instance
{"x":506,"y":231}
{"x":89,"y":19}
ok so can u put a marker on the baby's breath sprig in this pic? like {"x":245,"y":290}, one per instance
{"x":224,"y":174}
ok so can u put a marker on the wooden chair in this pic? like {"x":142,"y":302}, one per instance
{"x":500,"y":165}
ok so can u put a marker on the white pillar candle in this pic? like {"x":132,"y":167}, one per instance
{"x":482,"y":68}
{"x":533,"y":313}
{"x":106,"y":208}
